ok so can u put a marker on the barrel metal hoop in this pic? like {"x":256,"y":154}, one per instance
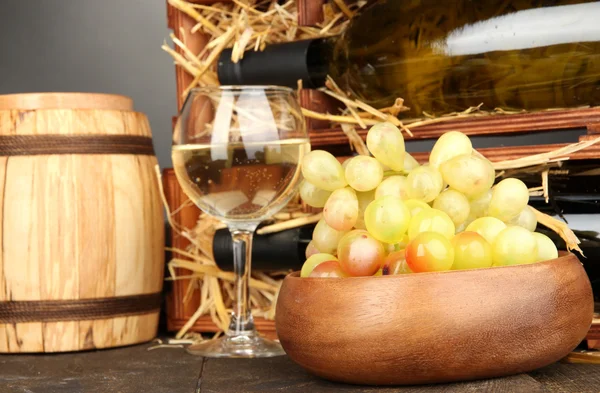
{"x":48,"y":144}
{"x":79,"y":309}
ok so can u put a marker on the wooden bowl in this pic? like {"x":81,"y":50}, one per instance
{"x":435,"y":327}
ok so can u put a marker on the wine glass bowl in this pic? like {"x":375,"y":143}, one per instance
{"x":236,"y":154}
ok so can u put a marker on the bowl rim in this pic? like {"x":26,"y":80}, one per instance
{"x":562,"y":256}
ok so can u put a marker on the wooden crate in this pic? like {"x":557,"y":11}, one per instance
{"x":324,"y":136}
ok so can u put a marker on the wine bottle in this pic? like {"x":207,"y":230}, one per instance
{"x":445,"y":56}
{"x":573,"y":187}
{"x":277,"y":251}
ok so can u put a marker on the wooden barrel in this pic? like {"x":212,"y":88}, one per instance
{"x":81,"y":257}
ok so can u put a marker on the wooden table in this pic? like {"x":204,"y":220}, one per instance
{"x":135,"y":369}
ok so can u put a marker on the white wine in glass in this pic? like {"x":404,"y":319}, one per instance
{"x":236,"y":153}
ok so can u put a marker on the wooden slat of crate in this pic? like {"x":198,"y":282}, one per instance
{"x":488,"y":125}
{"x":182,"y":24}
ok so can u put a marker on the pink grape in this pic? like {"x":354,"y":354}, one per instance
{"x":329,"y":269}
{"x":395,"y":263}
{"x":341,"y":209}
{"x":360,"y":254}
{"x":311,"y":250}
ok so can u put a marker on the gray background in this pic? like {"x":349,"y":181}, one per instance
{"x":105,"y":46}
{"x":113,"y":46}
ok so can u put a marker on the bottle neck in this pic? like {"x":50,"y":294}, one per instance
{"x":276,"y":251}
{"x":280,"y":64}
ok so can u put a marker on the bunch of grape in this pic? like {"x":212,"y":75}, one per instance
{"x":386,"y":214}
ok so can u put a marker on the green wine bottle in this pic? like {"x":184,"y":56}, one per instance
{"x":446,"y":56}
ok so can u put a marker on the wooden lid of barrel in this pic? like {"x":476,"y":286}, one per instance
{"x":32,"y":101}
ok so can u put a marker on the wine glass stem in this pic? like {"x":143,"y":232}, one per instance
{"x":242,"y":322}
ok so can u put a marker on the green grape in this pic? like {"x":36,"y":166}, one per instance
{"x":416,"y":206}
{"x":329,"y":269}
{"x":395,"y":263}
{"x":546,"y":249}
{"x":394,"y":186}
{"x":364,"y":173}
{"x":514,"y":246}
{"x":448,"y":146}
{"x":311,"y":250}
{"x":424,"y":183}
{"x":341,"y":209}
{"x":454,"y":204}
{"x":364,"y":198}
{"x":386,"y":143}
{"x":312,"y":195}
{"x":393,"y":247}
{"x":479,"y":204}
{"x":313,"y":261}
{"x":410,"y":163}
{"x":360,"y":254}
{"x":488,"y":227}
{"x":471,"y":175}
{"x":326,"y":238}
{"x":525,"y":219}
{"x":461,"y":228}
{"x":431,"y":220}
{"x":323,"y":170}
{"x":429,"y":252}
{"x":509,"y":197}
{"x":345,"y":164}
{"x":471,"y":251}
{"x":387,"y":219}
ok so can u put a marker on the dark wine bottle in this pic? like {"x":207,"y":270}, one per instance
{"x":445,"y":56}
{"x":573,"y":187}
{"x":278,"y":251}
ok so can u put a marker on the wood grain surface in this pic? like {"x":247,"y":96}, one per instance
{"x":135,"y":369}
{"x":78,"y":226}
{"x":36,"y":101}
{"x":436,"y":327}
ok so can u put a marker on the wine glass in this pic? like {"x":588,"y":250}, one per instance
{"x":236,"y":153}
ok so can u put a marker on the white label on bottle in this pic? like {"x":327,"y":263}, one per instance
{"x":526,"y":29}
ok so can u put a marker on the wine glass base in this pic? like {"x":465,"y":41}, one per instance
{"x":245,"y":346}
